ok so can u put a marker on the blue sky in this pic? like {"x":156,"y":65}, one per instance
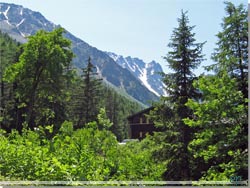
{"x":136,"y":28}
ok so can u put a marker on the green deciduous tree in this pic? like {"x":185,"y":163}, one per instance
{"x":186,"y":55}
{"x":41,"y":74}
{"x":220,"y":143}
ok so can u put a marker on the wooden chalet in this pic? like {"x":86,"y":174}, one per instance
{"x":140,"y":125}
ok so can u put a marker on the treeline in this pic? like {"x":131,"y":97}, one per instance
{"x":40,"y":87}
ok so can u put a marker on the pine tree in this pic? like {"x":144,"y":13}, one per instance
{"x":186,"y":55}
{"x":89,"y":96}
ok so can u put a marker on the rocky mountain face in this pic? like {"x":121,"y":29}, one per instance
{"x":20,"y":22}
{"x":147,"y":73}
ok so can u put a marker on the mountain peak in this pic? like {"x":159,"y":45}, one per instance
{"x":153,"y":62}
{"x":14,"y":18}
{"x":147,"y":73}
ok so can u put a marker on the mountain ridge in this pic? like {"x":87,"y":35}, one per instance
{"x":20,"y":22}
{"x":147,"y":73}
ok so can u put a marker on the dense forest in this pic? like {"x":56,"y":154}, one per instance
{"x":59,"y":123}
{"x":40,"y":87}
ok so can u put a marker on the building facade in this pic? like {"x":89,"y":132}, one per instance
{"x":140,"y":124}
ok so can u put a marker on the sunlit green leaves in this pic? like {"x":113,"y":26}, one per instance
{"x":84,"y":154}
{"x":220,"y":118}
{"x":40,"y":76}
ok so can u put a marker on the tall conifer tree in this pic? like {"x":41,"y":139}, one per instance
{"x":186,"y":55}
{"x":221,"y":118}
{"x":232,"y":53}
{"x":89,"y":97}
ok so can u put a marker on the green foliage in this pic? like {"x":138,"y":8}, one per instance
{"x":220,"y":120}
{"x":209,"y":132}
{"x":66,"y":128}
{"x":136,"y":161}
{"x":231,"y":53}
{"x":42,"y":101}
{"x":58,"y":97}
{"x":41,"y":74}
{"x":186,"y":55}
{"x":99,"y":96}
{"x":8,"y":54}
{"x":84,"y":154}
{"x":88,"y":96}
{"x":118,"y":108}
{"x":103,"y":120}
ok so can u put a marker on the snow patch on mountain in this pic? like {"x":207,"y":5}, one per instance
{"x":23,"y":35}
{"x":147,"y":73}
{"x":22,"y":21}
{"x":21,"y":11}
{"x":17,"y":25}
{"x":7,"y":21}
{"x":114,"y":56}
{"x":6,"y":12}
{"x":144,"y":79}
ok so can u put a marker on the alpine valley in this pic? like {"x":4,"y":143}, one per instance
{"x":138,"y":79}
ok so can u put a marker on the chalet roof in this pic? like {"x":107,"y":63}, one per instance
{"x":141,"y":112}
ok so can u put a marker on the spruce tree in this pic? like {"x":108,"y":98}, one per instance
{"x":185,"y":56}
{"x":89,"y":96}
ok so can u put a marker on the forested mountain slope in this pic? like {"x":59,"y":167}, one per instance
{"x":20,"y":22}
{"x":118,"y":106}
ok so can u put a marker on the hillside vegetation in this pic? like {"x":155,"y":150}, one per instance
{"x":59,"y":125}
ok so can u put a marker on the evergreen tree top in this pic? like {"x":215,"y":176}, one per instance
{"x":185,"y":51}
